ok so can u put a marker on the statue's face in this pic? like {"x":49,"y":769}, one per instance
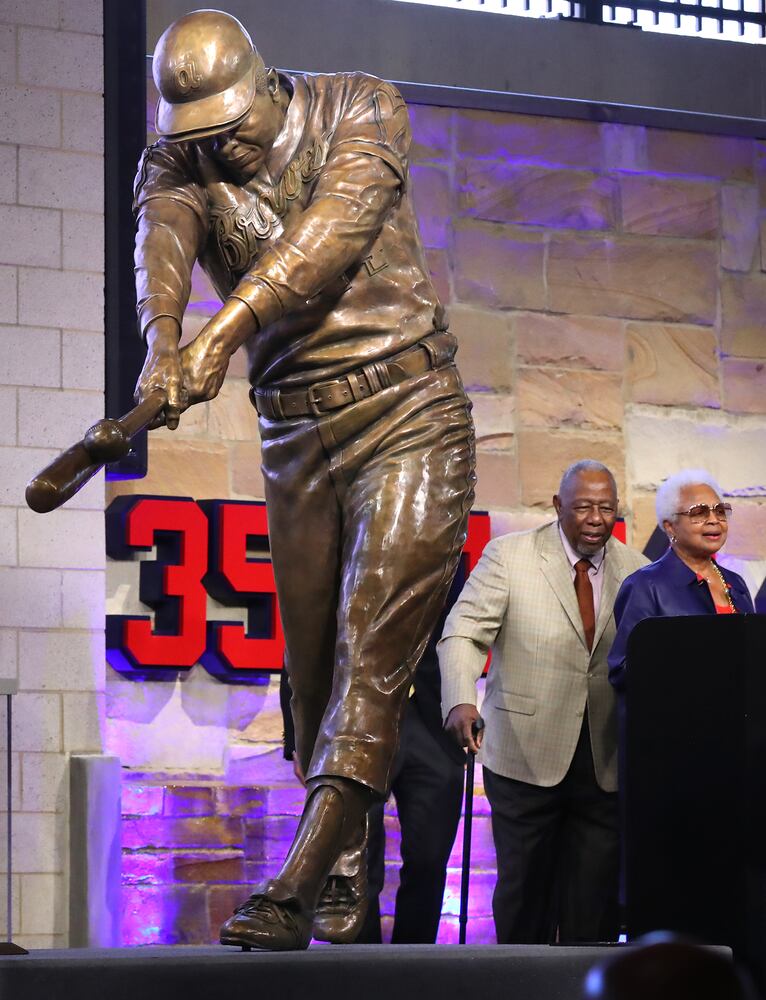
{"x":245,"y":148}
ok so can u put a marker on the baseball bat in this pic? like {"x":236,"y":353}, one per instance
{"x":106,"y":441}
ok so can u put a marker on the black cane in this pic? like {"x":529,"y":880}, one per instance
{"x":476,"y":728}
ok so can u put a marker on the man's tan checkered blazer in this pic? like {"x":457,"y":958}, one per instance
{"x":520,"y":601}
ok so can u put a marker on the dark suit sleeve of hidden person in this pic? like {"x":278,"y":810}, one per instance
{"x":356,"y":166}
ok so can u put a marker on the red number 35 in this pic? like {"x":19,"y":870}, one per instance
{"x":217,"y":548}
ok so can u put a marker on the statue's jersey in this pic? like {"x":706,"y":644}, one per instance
{"x":322,"y":245}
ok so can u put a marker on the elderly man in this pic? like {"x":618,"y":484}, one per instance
{"x":542,"y":601}
{"x":292,"y":192}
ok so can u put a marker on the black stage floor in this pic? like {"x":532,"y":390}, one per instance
{"x":351,"y":972}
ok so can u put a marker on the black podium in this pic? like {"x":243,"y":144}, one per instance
{"x":694,"y":788}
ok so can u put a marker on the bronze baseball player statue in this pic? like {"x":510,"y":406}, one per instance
{"x":293,"y":193}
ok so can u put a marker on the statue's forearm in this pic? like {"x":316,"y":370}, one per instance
{"x":167,"y":244}
{"x":228,"y":330}
{"x":162,"y":334}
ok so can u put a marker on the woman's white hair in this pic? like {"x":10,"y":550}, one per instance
{"x":669,"y":493}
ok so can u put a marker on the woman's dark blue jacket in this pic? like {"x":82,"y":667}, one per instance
{"x":663,"y":589}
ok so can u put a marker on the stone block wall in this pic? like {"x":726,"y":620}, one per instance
{"x":51,"y":388}
{"x":191,"y":851}
{"x":606,"y":284}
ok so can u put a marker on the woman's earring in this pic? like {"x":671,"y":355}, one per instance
{"x":673,"y":539}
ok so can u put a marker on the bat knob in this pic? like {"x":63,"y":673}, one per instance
{"x":106,"y":441}
{"x":42,"y":495}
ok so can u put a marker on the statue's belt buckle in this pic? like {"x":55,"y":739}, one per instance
{"x":325,"y":396}
{"x":315,"y":399}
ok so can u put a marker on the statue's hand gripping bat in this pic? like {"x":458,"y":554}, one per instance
{"x":107,"y":441}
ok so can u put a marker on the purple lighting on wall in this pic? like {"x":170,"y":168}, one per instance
{"x":191,"y":853}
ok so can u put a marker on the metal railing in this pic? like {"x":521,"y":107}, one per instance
{"x":736,"y":20}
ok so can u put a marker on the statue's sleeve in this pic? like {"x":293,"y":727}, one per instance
{"x":171,"y":217}
{"x":364,"y":174}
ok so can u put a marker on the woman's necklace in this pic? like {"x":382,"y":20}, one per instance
{"x":719,"y":574}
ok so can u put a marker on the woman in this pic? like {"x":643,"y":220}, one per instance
{"x":686,"y":580}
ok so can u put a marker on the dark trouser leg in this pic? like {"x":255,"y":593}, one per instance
{"x":376,"y":874}
{"x":526,"y":821}
{"x":371,"y":932}
{"x":590,"y":845}
{"x":428,"y":793}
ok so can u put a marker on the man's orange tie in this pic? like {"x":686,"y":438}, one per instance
{"x":584,"y":590}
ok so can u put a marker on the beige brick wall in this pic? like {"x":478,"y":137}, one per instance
{"x":51,"y":388}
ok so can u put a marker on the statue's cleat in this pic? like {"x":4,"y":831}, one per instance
{"x":267,"y":924}
{"x":342,"y":904}
{"x":341,"y":909}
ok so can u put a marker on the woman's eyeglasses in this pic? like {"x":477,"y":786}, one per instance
{"x":702,"y":511}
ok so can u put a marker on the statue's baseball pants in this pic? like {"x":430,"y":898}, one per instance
{"x":368,"y":509}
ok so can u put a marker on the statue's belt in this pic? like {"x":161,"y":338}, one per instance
{"x":433,"y":351}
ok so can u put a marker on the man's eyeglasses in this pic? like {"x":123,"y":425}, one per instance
{"x":702,"y":511}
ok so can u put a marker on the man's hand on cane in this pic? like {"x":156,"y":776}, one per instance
{"x":460,"y":725}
